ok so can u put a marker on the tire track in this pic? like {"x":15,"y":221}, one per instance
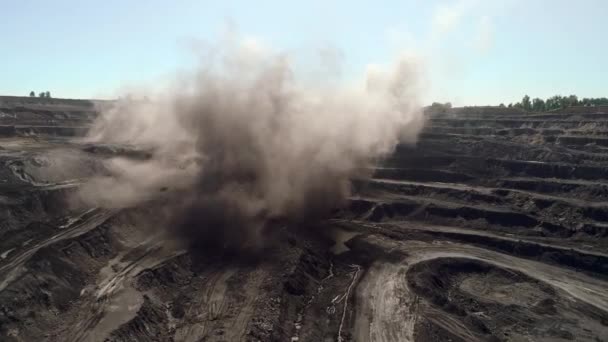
{"x":387,"y":309}
{"x":15,"y":265}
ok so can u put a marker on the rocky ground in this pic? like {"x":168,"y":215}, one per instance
{"x":493,"y":228}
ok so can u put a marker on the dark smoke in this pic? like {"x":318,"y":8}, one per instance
{"x":240,"y":142}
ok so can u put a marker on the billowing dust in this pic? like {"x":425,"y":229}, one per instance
{"x":241,"y":141}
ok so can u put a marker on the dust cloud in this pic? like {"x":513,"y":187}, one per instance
{"x":242,"y":141}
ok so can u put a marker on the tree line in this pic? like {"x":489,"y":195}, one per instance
{"x":556,"y":102}
{"x":44,"y":94}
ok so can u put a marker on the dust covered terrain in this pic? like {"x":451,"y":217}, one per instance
{"x":492,"y":227}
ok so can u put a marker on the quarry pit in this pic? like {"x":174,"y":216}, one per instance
{"x":492,"y":227}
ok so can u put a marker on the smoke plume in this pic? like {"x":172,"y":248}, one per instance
{"x":242,"y":141}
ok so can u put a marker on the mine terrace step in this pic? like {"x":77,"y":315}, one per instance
{"x":493,"y":131}
{"x":572,"y":188}
{"x":546,"y":250}
{"x":377,"y":209}
{"x":15,"y":130}
{"x":397,"y":185}
{"x":397,"y":167}
{"x":503,"y":123}
{"x":568,"y":211}
{"x":583,"y":140}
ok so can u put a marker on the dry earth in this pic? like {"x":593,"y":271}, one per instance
{"x":493,"y":228}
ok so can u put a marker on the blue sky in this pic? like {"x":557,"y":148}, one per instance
{"x":475,"y":52}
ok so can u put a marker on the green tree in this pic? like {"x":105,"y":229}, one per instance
{"x":572,"y":100}
{"x":502,"y":105}
{"x":564,"y":102}
{"x":438,"y":107}
{"x":554,"y":102}
{"x":538,"y":105}
{"x":47,"y":94}
{"x":32,"y":94}
{"x":525,"y":102}
{"x":41,"y":94}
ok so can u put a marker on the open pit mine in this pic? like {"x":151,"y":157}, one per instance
{"x":492,"y":227}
